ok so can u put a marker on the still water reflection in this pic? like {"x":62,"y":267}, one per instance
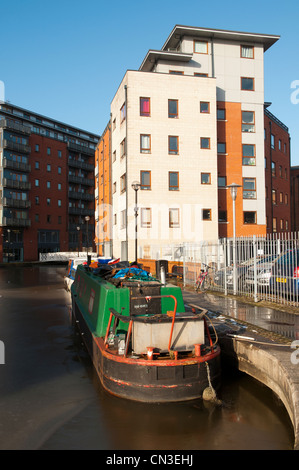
{"x":50,"y":396}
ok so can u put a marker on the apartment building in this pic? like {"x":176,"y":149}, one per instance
{"x":46,"y":185}
{"x":186,"y":125}
{"x":277,"y":174}
{"x":295,"y":198}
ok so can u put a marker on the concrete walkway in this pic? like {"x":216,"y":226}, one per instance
{"x":267,"y":356}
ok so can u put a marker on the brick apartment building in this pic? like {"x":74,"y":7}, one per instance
{"x":46,"y":185}
{"x":295,"y":198}
{"x":277,"y":174}
{"x":191,"y":121}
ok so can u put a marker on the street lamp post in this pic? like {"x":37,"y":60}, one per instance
{"x":78,"y":231}
{"x":87,"y":218}
{"x":233,"y":192}
{"x":136,"y":185}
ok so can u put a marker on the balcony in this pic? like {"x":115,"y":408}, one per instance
{"x":80,"y":164}
{"x":77,"y":148}
{"x":14,"y":222}
{"x":15,"y":126}
{"x":80,"y":211}
{"x":22,"y":148}
{"x":81,"y":180}
{"x":82,"y":196}
{"x":19,"y":166}
{"x":16,"y":203}
{"x":9,"y":183}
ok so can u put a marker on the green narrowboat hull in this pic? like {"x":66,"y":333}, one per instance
{"x":134,"y":333}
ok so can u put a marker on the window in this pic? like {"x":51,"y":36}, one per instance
{"x":123,"y":113}
{"x":281,"y":198}
{"x":273,"y":168}
{"x":221,"y":147}
{"x":114,"y":187}
{"x":123,"y":216}
{"x":114,"y":124}
{"x":37,"y":165}
{"x":273,"y":196}
{"x":206,"y":214}
{"x":48,"y":219}
{"x":48,"y":201}
{"x":220,"y":114}
{"x":201,"y":47}
{"x":59,"y":186}
{"x":286,"y":199}
{"x":123,"y":183}
{"x":123,"y":148}
{"x":204,"y":107}
{"x":145,"y":143}
{"x":279,"y":144}
{"x":247,"y":52}
{"x":59,"y":202}
{"x":280,"y":171}
{"x":274,"y":225}
{"x":173,"y":181}
{"x":205,"y":178}
{"x":146,"y":217}
{"x":173,"y":145}
{"x":37,"y":148}
{"x":249,"y":189}
{"x":59,"y":153}
{"x":248,"y":154}
{"x":59,"y":170}
{"x":174,"y":217}
{"x":49,"y":151}
{"x":222,"y":216}
{"x":221,"y":181}
{"x":173,"y":108}
{"x":145,"y":178}
{"x":114,"y":156}
{"x":176,"y":72}
{"x":48,"y":184}
{"x":37,"y":200}
{"x":36,"y":217}
{"x":197,"y":74}
{"x":145,"y":106}
{"x":249,"y":217}
{"x":247,"y":83}
{"x":204,"y":142}
{"x":272,"y":141}
{"x":248,"y":118}
{"x":281,"y":224}
{"x":36,"y":182}
{"x":48,"y":167}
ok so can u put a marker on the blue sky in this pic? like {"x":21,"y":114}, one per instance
{"x":65,"y":59}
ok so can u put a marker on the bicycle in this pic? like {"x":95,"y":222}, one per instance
{"x":203,"y":281}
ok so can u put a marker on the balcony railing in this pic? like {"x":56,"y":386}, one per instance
{"x":81,"y":180}
{"x":80,"y":164}
{"x":82,"y":196}
{"x":80,"y":211}
{"x":15,"y":222}
{"x":20,"y":166}
{"x":77,"y":148}
{"x":9,"y":183}
{"x":22,"y":148}
{"x":15,"y":126}
{"x":17,"y":203}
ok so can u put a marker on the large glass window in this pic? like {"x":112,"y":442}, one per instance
{"x":145,"y":106}
{"x":173,"y":108}
{"x":204,"y":142}
{"x":249,"y":217}
{"x":145,"y":179}
{"x":248,"y":154}
{"x":248,"y":121}
{"x":145,"y":143}
{"x":173,"y":144}
{"x":249,"y":189}
{"x":247,"y":83}
{"x":173,"y":183}
{"x":247,"y":52}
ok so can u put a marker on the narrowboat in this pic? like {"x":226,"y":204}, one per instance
{"x":145,"y":343}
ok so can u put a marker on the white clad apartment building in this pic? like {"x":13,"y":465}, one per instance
{"x":185,"y":125}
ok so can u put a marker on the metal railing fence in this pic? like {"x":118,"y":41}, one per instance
{"x":267,"y":268}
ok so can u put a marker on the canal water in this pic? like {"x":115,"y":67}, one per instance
{"x":51,"y":398}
